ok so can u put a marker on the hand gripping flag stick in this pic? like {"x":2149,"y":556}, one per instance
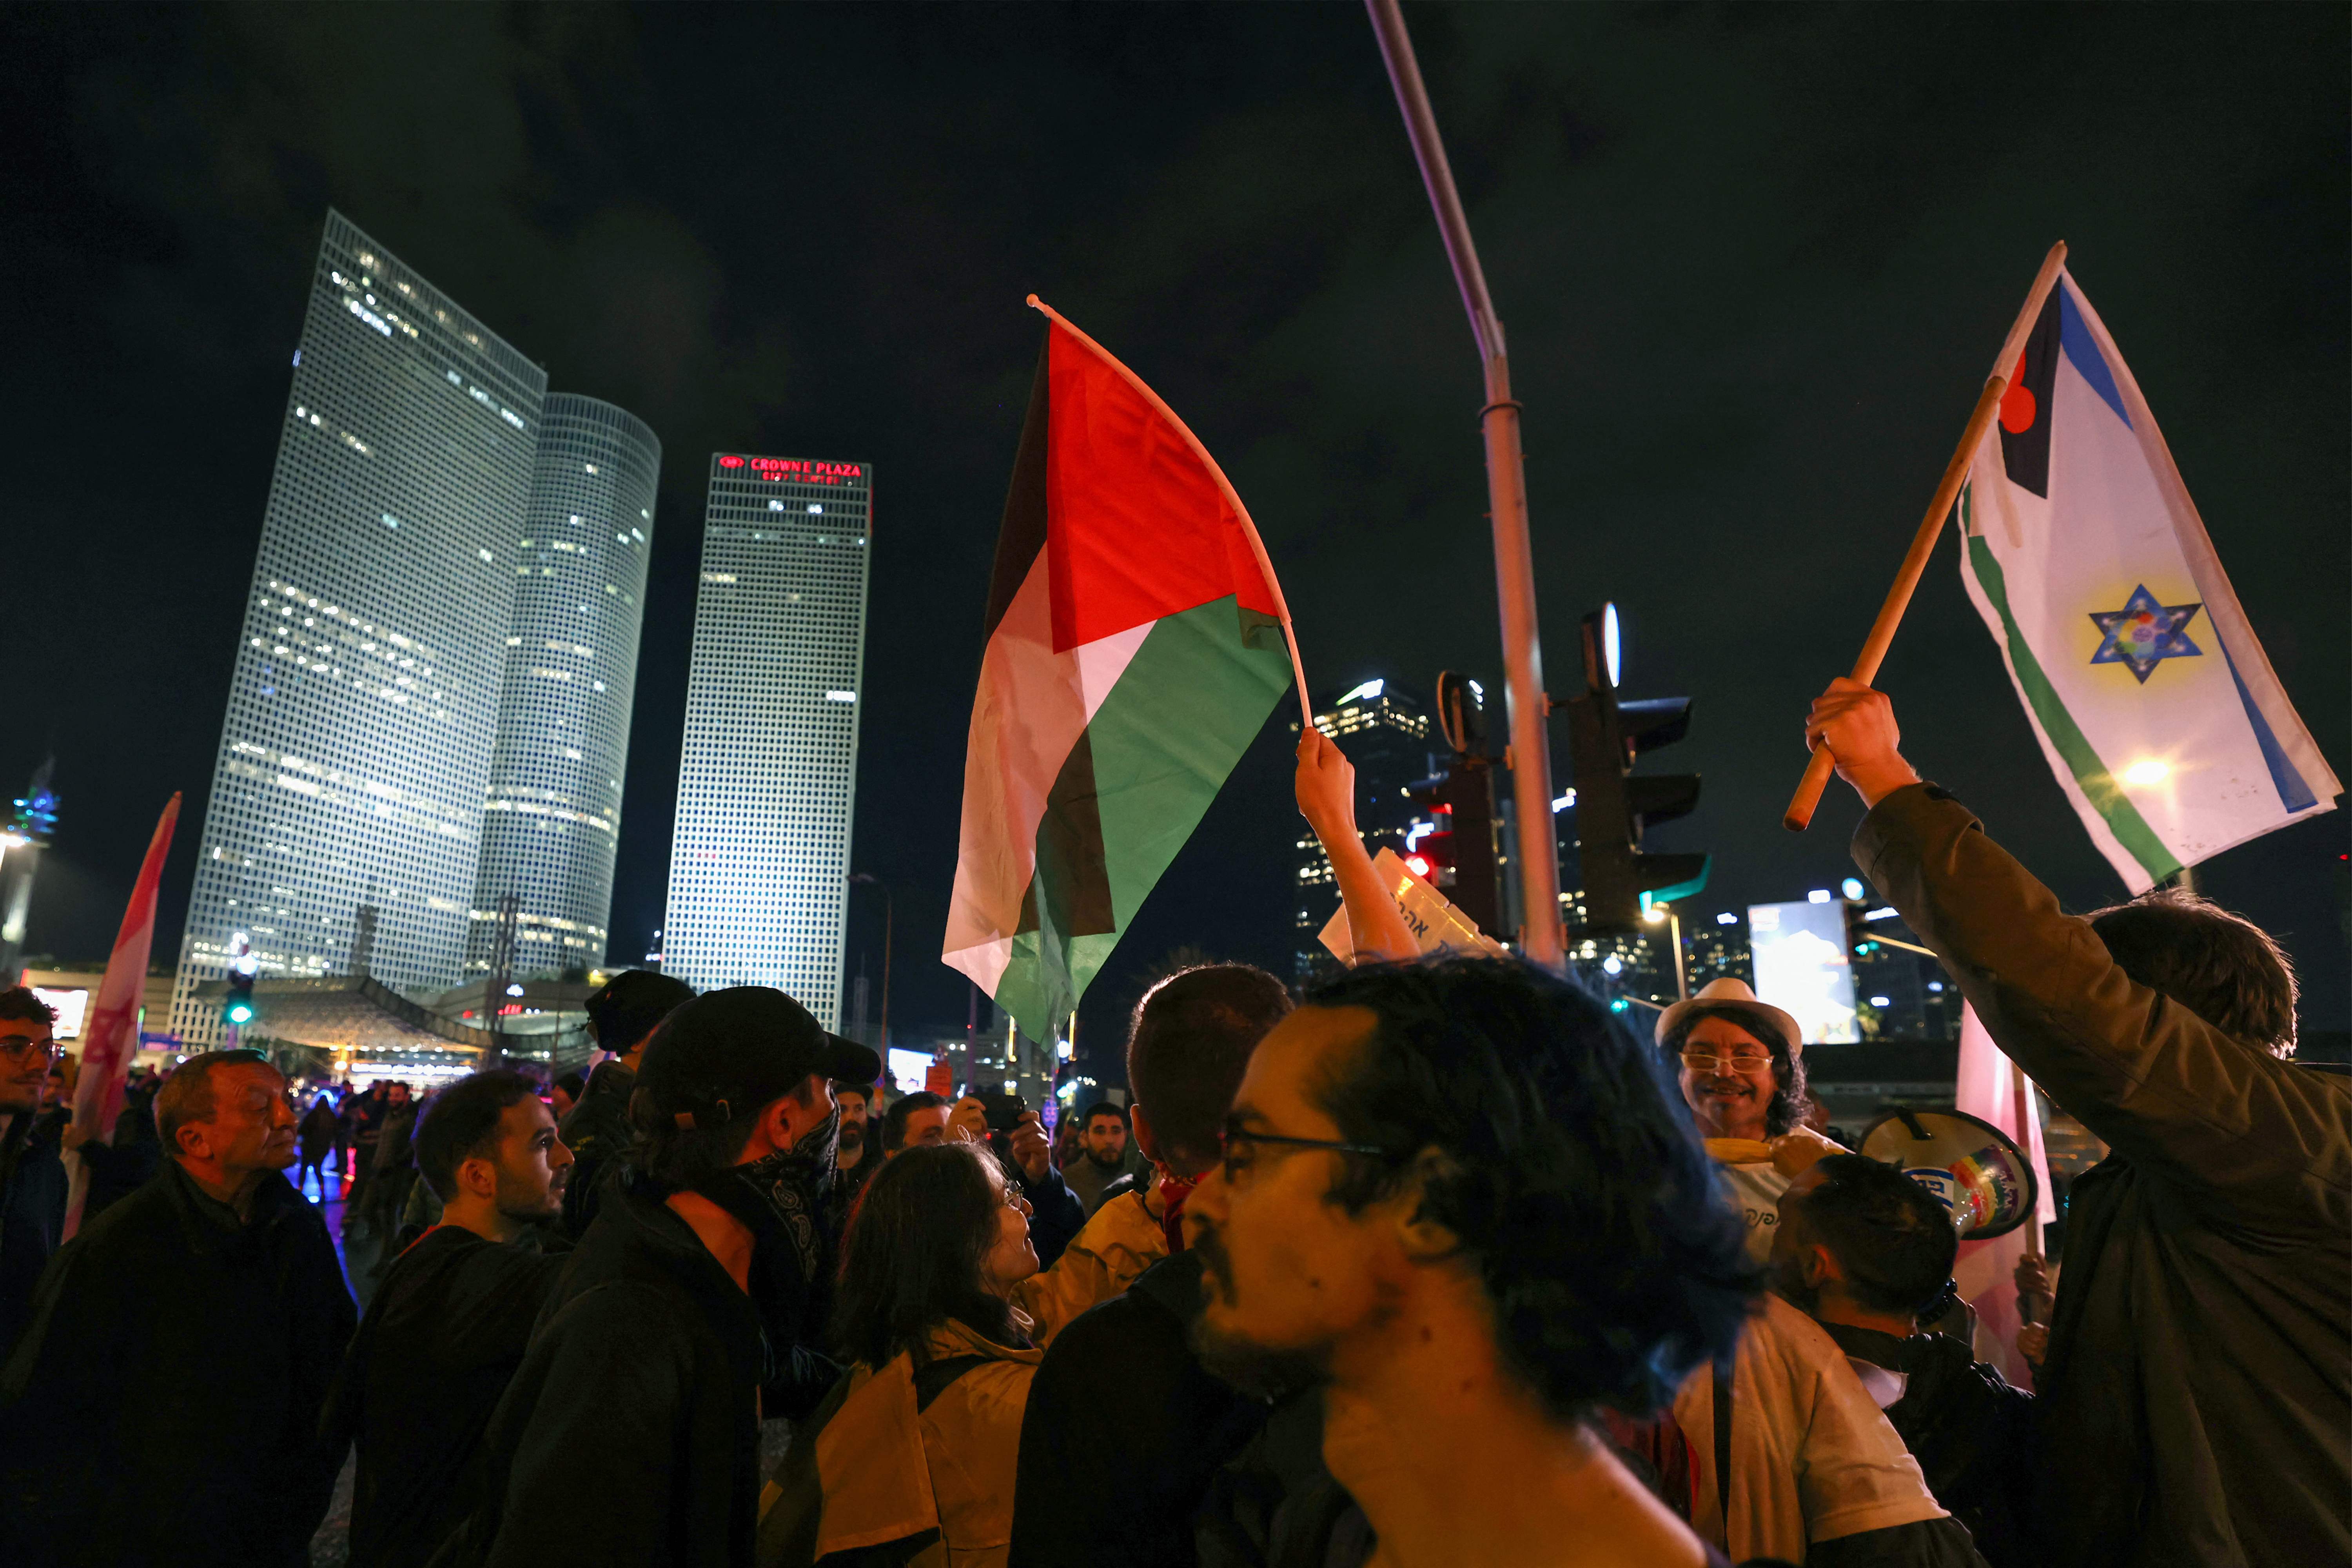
{"x":1800,"y":814}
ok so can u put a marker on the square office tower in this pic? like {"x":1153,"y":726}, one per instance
{"x":553,"y":818}
{"x":759,"y":862}
{"x":364,"y":700}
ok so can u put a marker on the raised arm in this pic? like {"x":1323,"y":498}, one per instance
{"x":2270,"y":1143}
{"x":1327,"y":798}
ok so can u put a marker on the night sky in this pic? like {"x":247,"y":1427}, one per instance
{"x":1754,"y":263}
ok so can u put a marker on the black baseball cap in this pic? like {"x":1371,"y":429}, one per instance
{"x":626,"y":1008}
{"x":728,"y":1053}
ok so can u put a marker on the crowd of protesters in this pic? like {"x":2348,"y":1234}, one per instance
{"x":1437,"y":1263}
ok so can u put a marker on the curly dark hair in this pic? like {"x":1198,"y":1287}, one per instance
{"x":21,"y":1005}
{"x":2222,"y":967}
{"x":915,"y":1253}
{"x":1894,"y":1238}
{"x":1789,"y":1094}
{"x":1572,"y":1175}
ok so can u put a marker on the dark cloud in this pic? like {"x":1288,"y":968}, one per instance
{"x":1753,"y":262}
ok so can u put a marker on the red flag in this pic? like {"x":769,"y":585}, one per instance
{"x":1987,"y":1090}
{"x":110,"y":1039}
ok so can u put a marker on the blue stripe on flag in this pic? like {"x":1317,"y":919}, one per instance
{"x":2293,"y":793}
{"x":2074,"y":337}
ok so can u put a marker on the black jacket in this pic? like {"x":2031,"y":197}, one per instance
{"x":121,"y":1168}
{"x":630,"y":1434}
{"x":163,"y":1406}
{"x":596,"y":1132}
{"x":2197,"y":1397}
{"x":1124,"y":1432}
{"x":441,"y":1338}
{"x":1970,"y":1431}
{"x":32,"y":1219}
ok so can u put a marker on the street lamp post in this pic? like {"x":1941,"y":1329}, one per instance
{"x":1541,"y":934}
{"x":889,"y":917}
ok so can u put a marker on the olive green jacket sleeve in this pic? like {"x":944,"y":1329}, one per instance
{"x":2261,"y":1145}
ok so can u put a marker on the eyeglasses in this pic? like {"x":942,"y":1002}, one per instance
{"x":1707,"y":1061}
{"x":1239,"y":1140}
{"x":22,"y":1046}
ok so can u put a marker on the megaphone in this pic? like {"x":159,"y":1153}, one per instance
{"x":1978,"y":1170}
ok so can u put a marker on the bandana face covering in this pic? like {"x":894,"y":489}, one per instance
{"x":794,"y":1185}
{"x":1173,"y":1191}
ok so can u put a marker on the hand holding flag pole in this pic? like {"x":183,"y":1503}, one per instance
{"x":1800,"y":814}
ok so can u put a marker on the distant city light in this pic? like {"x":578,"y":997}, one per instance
{"x":1882,"y":1002}
{"x":1564,"y":802}
{"x":1368,"y":690}
{"x":1818,"y":896}
{"x":1887,"y":913}
{"x":1726,"y":919}
{"x":1853,"y":889}
{"x":1612,"y":964}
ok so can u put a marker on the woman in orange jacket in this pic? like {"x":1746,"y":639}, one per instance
{"x":944,"y":1316}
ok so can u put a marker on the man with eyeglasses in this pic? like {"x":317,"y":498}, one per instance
{"x":1461,"y":1201}
{"x":1741,"y":1063}
{"x":32,"y":1176}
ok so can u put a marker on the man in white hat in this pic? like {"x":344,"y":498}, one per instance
{"x":1742,"y":1071}
{"x":1793,"y":1456}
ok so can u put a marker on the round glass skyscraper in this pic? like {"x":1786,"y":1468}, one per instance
{"x":552,"y":817}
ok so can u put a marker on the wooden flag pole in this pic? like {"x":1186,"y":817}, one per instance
{"x":1800,"y":814}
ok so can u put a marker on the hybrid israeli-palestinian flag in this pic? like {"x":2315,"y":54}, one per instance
{"x":1137,"y":641}
{"x":2153,"y":702}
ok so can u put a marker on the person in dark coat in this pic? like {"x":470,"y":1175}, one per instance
{"x":1125,"y":1430}
{"x":316,"y":1136}
{"x":623,"y":1015}
{"x":630,"y":1434}
{"x":448,"y":1325}
{"x":163,"y":1405}
{"x":363,"y":1114}
{"x":121,"y":1167}
{"x":32,"y":1177}
{"x":2197,"y":1395}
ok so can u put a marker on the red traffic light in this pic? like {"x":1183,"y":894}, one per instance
{"x":1419,"y":865}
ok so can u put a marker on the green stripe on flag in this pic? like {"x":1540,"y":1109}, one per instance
{"x":1187,"y":706}
{"x":2098,"y":785}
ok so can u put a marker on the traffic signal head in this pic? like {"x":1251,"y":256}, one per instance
{"x":1613,"y":809}
{"x":239,"y":1011}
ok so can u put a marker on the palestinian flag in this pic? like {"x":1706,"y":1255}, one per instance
{"x":2155,"y":704}
{"x":1137,"y":641}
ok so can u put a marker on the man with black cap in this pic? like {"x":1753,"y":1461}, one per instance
{"x":654,"y":1329}
{"x":623,"y":1015}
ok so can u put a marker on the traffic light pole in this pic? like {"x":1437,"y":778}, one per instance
{"x":1541,"y":936}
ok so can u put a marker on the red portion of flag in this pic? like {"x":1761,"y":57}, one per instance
{"x":111,"y":1037}
{"x":1136,"y":526}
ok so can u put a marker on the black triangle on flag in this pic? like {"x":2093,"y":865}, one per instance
{"x":2025,"y":408}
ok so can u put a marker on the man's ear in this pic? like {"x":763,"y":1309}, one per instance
{"x":477,"y":1177}
{"x":1425,"y":1238}
{"x":1818,"y":1265}
{"x":1140,"y":1125}
{"x":195,"y":1139}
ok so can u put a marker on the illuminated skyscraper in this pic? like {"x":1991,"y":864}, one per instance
{"x":759,"y":862}
{"x":552,"y":816}
{"x":365,"y":702}
{"x":1385,"y":732}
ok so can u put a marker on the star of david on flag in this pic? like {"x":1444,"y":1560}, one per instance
{"x":2144,"y":632}
{"x":2072,"y":493}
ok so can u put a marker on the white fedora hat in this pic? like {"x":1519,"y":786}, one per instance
{"x":1733,"y":995}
